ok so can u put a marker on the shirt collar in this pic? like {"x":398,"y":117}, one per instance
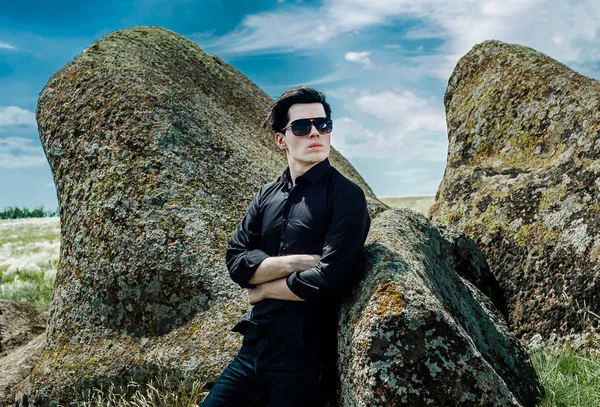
{"x":313,"y":175}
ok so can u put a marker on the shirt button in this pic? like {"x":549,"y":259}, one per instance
{"x":285,"y":221}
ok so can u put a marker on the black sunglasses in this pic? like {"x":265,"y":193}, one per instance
{"x":301,"y":127}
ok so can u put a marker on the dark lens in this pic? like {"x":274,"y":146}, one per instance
{"x":323,"y":125}
{"x":301,"y":127}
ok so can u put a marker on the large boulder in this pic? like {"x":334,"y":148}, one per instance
{"x":415,"y":333}
{"x":22,"y":339}
{"x":20,"y":322}
{"x":522,"y":180}
{"x":156,"y":149}
{"x":17,"y":365}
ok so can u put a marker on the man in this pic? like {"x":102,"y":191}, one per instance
{"x":296,"y":251}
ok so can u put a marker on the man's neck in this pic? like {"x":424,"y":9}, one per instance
{"x":297,"y":169}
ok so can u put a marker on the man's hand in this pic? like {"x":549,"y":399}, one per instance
{"x":255,"y":294}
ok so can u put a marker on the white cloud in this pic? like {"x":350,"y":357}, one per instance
{"x":409,"y":173}
{"x":362,"y":58}
{"x":15,"y":116}
{"x":352,"y":139}
{"x":286,"y":28}
{"x":407,"y":124}
{"x":4,"y":45}
{"x":332,"y":77}
{"x":18,"y":152}
{"x":567,"y":31}
{"x":275,"y":31}
{"x":420,"y":181}
{"x":404,"y":109}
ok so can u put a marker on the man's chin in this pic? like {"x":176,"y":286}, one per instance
{"x":317,"y":158}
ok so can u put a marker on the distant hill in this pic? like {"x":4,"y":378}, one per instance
{"x":416,"y":203}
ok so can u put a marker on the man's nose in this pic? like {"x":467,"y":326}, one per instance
{"x":313,"y":131}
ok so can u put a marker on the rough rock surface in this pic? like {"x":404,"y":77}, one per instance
{"x":466,"y":259}
{"x":156,"y":150}
{"x":417,"y":334}
{"x":22,"y":337}
{"x":20,"y":322}
{"x":17,"y":365}
{"x":522,"y":180}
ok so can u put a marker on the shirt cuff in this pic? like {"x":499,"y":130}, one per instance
{"x":291,"y":281}
{"x":252,"y":260}
{"x":301,"y":288}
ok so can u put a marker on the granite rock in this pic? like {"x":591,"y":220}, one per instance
{"x":522,"y":179}
{"x":22,"y":340}
{"x":19,"y":323}
{"x":416,"y":333}
{"x":17,"y":365}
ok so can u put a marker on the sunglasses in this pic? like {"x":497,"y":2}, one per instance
{"x":301,"y":127}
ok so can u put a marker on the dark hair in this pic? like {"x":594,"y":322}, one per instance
{"x":278,"y":113}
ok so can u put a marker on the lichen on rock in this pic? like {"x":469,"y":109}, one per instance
{"x":521,"y":180}
{"x":417,"y":333}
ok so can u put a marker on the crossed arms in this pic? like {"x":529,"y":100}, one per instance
{"x":270,"y":276}
{"x":300,"y":277}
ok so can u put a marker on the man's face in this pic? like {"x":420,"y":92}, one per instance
{"x":304,"y":150}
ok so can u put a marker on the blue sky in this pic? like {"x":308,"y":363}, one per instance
{"x":383,"y":64}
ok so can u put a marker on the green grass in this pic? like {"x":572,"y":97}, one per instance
{"x":34,"y":288}
{"x":29,"y":250}
{"x":571,"y":378}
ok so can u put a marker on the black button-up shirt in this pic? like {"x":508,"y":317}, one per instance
{"x":324,"y":213}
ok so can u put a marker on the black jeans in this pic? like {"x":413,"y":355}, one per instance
{"x":250,"y":381}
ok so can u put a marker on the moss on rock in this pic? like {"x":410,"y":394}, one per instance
{"x":521,"y":181}
{"x":417,"y":333}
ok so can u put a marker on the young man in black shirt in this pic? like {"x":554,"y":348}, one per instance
{"x":296,"y":252}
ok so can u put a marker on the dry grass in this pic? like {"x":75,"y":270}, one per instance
{"x":159,"y":393}
{"x":29,"y":251}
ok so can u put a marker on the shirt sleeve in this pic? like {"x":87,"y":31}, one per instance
{"x":244,"y":254}
{"x":347,"y":232}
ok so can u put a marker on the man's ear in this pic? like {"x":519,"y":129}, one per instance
{"x":280,"y":140}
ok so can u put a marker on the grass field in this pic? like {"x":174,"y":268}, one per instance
{"x":419,"y":204}
{"x":29,"y":251}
